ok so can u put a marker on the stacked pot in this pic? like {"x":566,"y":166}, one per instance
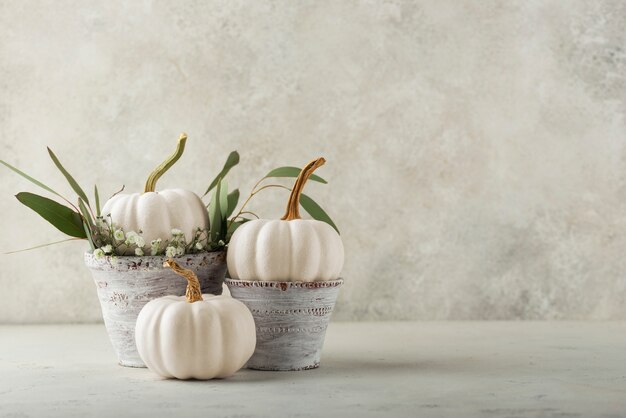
{"x":287,"y":273}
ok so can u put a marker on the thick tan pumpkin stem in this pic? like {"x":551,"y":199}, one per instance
{"x":293,"y":205}
{"x":165,"y":165}
{"x":193,"y":293}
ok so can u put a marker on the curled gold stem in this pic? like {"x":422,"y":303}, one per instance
{"x":193,"y":293}
{"x":293,"y":205}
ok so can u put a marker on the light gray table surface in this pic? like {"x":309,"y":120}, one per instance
{"x":383,"y":369}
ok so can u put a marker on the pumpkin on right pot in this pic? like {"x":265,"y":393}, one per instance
{"x":289,"y":249}
{"x":287,"y":272}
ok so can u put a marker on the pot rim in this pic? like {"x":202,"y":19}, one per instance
{"x":89,"y":253}
{"x":284,"y":285}
{"x":155,"y":260}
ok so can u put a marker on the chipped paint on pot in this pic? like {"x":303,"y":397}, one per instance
{"x":126,"y":283}
{"x":291,"y":320}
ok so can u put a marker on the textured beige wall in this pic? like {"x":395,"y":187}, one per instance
{"x":475,"y":149}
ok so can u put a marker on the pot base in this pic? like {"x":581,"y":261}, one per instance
{"x":267,"y":369}
{"x":291,"y":320}
{"x":134,"y":365}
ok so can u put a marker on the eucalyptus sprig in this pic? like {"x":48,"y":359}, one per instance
{"x":113,"y":240}
{"x":81,"y":220}
{"x":77,"y":220}
{"x":222,"y":204}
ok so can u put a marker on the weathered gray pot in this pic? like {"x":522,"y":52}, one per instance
{"x":291,"y":320}
{"x":126,"y":283}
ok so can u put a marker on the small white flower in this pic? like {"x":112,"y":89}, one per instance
{"x":98,"y":253}
{"x":198,"y":245}
{"x":140,"y":241}
{"x":155,"y":246}
{"x":131,"y":237}
{"x":170,"y":251}
{"x":118,"y":235}
{"x":138,"y":252}
{"x":177,"y":232}
{"x":220,"y":242}
{"x":108,"y":249}
{"x":100,"y":222}
{"x":180,"y":250}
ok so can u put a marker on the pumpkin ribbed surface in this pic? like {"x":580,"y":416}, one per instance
{"x":155,"y":214}
{"x":201,"y":340}
{"x":295,"y":250}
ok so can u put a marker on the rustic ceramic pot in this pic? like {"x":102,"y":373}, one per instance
{"x":126,"y":283}
{"x":291,"y":320}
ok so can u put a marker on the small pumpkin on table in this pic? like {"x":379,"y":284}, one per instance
{"x":194,"y":336}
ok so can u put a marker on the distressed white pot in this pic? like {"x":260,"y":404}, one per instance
{"x":290,"y":318}
{"x":126,"y":283}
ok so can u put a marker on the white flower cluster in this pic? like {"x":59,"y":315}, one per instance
{"x":176,"y":246}
{"x":102,"y":251}
{"x":114,"y":241}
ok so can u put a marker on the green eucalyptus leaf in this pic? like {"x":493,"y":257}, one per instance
{"x":292,"y":172}
{"x":61,"y":217}
{"x":231,"y":161}
{"x":316,"y":210}
{"x":95,"y":192}
{"x":79,"y":191}
{"x":223,"y":198}
{"x":29,"y":178}
{"x":236,"y":224}
{"x":88,"y":225}
{"x":215,"y":214}
{"x":233,"y":199}
{"x":85,"y":212}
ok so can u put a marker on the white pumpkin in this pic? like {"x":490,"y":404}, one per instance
{"x":290,"y":249}
{"x":155,"y":214}
{"x":194,"y":336}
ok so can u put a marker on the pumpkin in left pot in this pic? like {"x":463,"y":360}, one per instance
{"x":155,"y":214}
{"x":194,"y":336}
